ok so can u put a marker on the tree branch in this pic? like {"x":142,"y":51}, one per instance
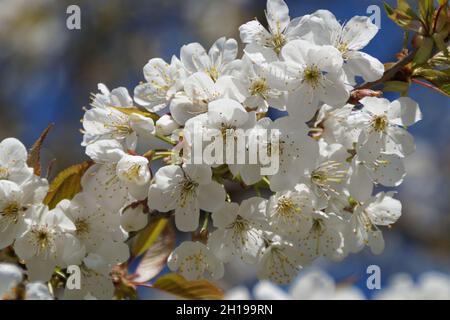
{"x":391,"y":72}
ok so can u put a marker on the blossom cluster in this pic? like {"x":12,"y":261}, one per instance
{"x":326,"y":200}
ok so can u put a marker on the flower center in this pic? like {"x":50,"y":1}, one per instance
{"x":239,"y":225}
{"x":133,"y":172}
{"x":312,"y":76}
{"x":278,"y":42}
{"x":123,"y":129}
{"x":82,"y":226}
{"x":259,"y":87}
{"x":188,"y":190}
{"x":342,"y":47}
{"x":43,"y":238}
{"x":11,"y":211}
{"x":3,"y":173}
{"x":193,"y":262}
{"x":213,"y":73}
{"x":241,"y":228}
{"x":327,"y":174}
{"x":287,"y":208}
{"x":379,"y":123}
{"x":227,"y":130}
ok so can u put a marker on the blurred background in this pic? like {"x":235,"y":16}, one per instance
{"x":47,"y":73}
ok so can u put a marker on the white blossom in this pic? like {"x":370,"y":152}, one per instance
{"x":240,"y":230}
{"x":13,"y":161}
{"x":195,"y":261}
{"x":280,"y":262}
{"x":187,"y":190}
{"x":322,"y":28}
{"x":281,"y":28}
{"x":219,"y":61}
{"x":47,"y":243}
{"x":163,"y":81}
{"x":166,"y":125}
{"x":289,"y":212}
{"x":325,"y":238}
{"x":313,"y":75}
{"x":380,"y":210}
{"x":382,"y":125}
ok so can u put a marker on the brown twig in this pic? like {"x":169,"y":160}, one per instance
{"x":437,"y":17}
{"x":427,"y":85}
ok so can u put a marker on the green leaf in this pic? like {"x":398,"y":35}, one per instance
{"x":445,"y":88}
{"x":424,"y":52}
{"x":200,"y":289}
{"x":437,"y":77}
{"x":148,"y":236}
{"x":396,"y":86}
{"x":389,"y":10}
{"x":440,"y":60}
{"x":131,"y":110}
{"x":441,"y":22}
{"x":66,"y":184}
{"x":34,"y":155}
{"x":155,"y":258}
{"x":403,"y":15}
{"x":426,"y":10}
{"x":439,"y":39}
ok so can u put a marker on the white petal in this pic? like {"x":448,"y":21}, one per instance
{"x":390,"y":170}
{"x":105,"y":151}
{"x":296,"y":51}
{"x":162,"y":201}
{"x":322,"y":26}
{"x":253,"y":31}
{"x":364,"y":65}
{"x":211,"y":196}
{"x":226,"y":112}
{"x":12,"y":153}
{"x":303,"y":103}
{"x":377,"y":106}
{"x":404,"y":112}
{"x":223,"y":51}
{"x":134,"y":219}
{"x":199,"y":173}
{"x":385,"y":210}
{"x":225,"y":215}
{"x":182,"y":108}
{"x":376,"y":242}
{"x":369,"y":147}
{"x":360,"y":184}
{"x":231,"y":87}
{"x":260,"y":55}
{"x":277,"y":15}
{"x":326,"y":58}
{"x":335,"y":92}
{"x":144,"y":126}
{"x":399,"y":141}
{"x":187,"y":215}
{"x":200,"y":86}
{"x":194,"y":57}
{"x":358,"y":32}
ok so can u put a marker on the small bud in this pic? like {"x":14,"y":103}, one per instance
{"x":358,"y":94}
{"x":166,"y":125}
